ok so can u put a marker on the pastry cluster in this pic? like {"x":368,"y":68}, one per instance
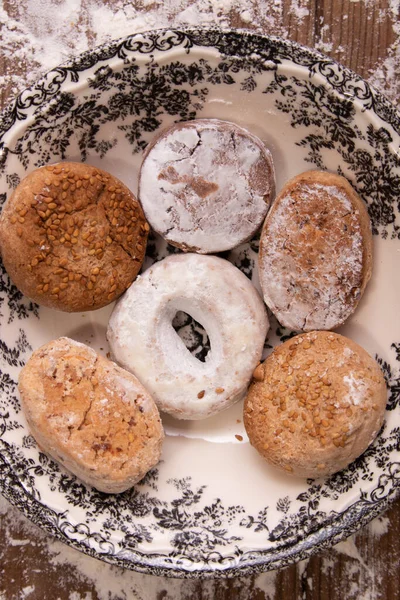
{"x":73,"y":238}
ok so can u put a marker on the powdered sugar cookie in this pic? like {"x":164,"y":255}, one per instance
{"x":90,"y":415}
{"x":315,"y":255}
{"x":206,"y":185}
{"x":219,"y":297}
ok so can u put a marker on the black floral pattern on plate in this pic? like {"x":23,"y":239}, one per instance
{"x":133,"y":85}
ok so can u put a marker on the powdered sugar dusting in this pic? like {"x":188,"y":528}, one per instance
{"x":39,"y":35}
{"x":310,"y":280}
{"x":357,"y":388}
{"x":385,"y":76}
{"x":206,"y":187}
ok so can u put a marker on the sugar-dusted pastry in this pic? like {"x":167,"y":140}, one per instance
{"x":315,"y":252}
{"x":218,"y":296}
{"x":90,"y":415}
{"x":206,"y":185}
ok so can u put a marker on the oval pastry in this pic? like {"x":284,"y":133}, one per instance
{"x":72,"y":237}
{"x":206,"y":185}
{"x":90,"y":415}
{"x":315,"y":404}
{"x":315,"y":255}
{"x":218,"y":296}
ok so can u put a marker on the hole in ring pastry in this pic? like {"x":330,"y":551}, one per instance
{"x":218,"y":296}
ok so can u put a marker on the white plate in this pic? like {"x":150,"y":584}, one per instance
{"x":212,"y":507}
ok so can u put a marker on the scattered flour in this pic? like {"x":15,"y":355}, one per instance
{"x":101,"y":581}
{"x":386,"y":75}
{"x":40,"y":34}
{"x":96,"y":580}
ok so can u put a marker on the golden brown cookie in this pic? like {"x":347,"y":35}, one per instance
{"x":90,"y":415}
{"x":72,"y":237}
{"x":315,"y":255}
{"x":315,"y":404}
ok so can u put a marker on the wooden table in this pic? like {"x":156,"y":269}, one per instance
{"x":360,"y":34}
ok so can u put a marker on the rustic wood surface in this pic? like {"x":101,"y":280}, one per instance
{"x":360,"y":33}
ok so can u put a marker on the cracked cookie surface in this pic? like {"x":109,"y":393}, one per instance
{"x":206,"y":185}
{"x":90,"y":415}
{"x":315,"y":404}
{"x":72,"y":237}
{"x":315,"y":255}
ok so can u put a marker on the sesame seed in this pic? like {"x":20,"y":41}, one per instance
{"x":219,"y":390}
{"x":258,"y":373}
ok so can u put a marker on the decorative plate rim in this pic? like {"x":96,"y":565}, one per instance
{"x":345,"y":523}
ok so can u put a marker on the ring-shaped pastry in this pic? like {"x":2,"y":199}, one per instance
{"x":218,"y":296}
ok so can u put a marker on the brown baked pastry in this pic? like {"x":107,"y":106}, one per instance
{"x":315,"y":404}
{"x":206,"y":185}
{"x":72,"y":237}
{"x":90,"y":415}
{"x":315,"y":252}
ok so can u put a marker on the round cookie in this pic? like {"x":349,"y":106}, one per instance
{"x":72,"y":237}
{"x":315,"y":256}
{"x":206,"y":185}
{"x":315,"y":404}
{"x":90,"y":415}
{"x":217,"y":295}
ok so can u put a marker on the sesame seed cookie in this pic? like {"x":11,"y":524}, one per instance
{"x":315,"y":255}
{"x":72,"y":237}
{"x":90,"y":415}
{"x":315,"y":404}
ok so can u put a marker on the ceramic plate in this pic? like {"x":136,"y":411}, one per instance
{"x":212,"y":507}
